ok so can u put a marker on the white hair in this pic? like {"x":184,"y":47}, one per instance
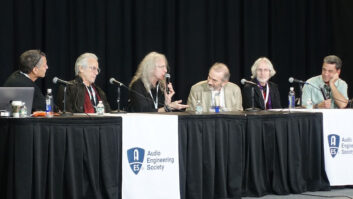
{"x":146,"y":68}
{"x":82,"y":61}
{"x":257,"y":64}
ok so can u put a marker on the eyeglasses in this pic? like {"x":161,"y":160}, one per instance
{"x":263,"y":70}
{"x":93,"y":68}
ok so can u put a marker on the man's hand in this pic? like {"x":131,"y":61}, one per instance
{"x":178,"y":105}
{"x":334,"y":79}
{"x":325,"y":104}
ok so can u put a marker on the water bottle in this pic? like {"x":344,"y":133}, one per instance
{"x":291,"y":98}
{"x":100,"y":108}
{"x":49,"y":104}
{"x":23,"y":110}
{"x":198,"y":107}
{"x":309,"y":104}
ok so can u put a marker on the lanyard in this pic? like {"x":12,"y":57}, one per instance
{"x":92,"y":95}
{"x":267,"y":93}
{"x":155,"y":102}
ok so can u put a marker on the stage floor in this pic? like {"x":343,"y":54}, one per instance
{"x":336,"y":193}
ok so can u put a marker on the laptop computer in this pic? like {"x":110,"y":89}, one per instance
{"x":9,"y":94}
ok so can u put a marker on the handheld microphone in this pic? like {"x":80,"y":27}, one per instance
{"x":292,"y":80}
{"x":323,"y":93}
{"x":112,"y":80}
{"x":244,"y":81}
{"x":60,"y":81}
{"x":167,"y":81}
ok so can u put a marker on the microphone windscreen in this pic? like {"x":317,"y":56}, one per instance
{"x":55,"y":80}
{"x":167,"y":78}
{"x":243,"y":81}
{"x":111,"y":80}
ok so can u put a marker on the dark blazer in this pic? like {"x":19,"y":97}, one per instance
{"x":75,"y":97}
{"x":258,"y":99}
{"x":17,"y":79}
{"x":140,"y":100}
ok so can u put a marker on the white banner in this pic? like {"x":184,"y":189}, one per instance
{"x":338,"y":144}
{"x":150,"y":159}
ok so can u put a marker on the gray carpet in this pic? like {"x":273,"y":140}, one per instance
{"x":334,"y":193}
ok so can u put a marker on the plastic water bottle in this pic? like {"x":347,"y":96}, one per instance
{"x":49,"y":104}
{"x":309,"y":104}
{"x":23,"y":110}
{"x":198,"y":107}
{"x":100,"y":108}
{"x":291,"y":98}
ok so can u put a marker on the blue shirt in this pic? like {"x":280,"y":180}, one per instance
{"x":314,"y":94}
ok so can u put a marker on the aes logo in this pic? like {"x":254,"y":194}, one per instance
{"x":135,"y":157}
{"x":333,"y":143}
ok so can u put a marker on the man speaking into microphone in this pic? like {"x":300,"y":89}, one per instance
{"x":82,"y":94}
{"x":327,"y":90}
{"x":150,"y":89}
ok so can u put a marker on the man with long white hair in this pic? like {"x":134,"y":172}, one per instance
{"x":266,"y":93}
{"x":148,"y":89}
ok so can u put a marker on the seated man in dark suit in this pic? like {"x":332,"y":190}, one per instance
{"x":33,"y":65}
{"x":83,"y":95}
{"x":266,"y":94}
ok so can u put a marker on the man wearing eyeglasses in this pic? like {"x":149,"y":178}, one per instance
{"x":327,"y":90}
{"x":83,"y":95}
{"x":32,"y":65}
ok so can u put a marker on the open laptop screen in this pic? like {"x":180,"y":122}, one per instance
{"x":9,"y":94}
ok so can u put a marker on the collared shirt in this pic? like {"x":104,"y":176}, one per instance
{"x":315,"y":95}
{"x":25,"y":74}
{"x":218,"y":98}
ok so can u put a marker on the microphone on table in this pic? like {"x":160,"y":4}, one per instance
{"x":293,"y":80}
{"x":252,"y":84}
{"x":244,"y":81}
{"x":112,"y":80}
{"x":60,"y":81}
{"x":56,"y":80}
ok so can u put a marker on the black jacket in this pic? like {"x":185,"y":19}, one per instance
{"x":258,"y":98}
{"x":17,"y":79}
{"x":140,"y":100}
{"x":75,"y":97}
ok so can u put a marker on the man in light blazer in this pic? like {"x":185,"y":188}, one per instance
{"x":216,"y":91}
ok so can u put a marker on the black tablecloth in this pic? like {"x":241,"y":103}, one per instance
{"x":229,"y":156}
{"x":211,"y":154}
{"x":221,"y":156}
{"x":284,"y":154}
{"x":60,"y":158}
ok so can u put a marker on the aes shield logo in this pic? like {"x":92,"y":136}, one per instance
{"x":333,"y":143}
{"x":135,"y":157}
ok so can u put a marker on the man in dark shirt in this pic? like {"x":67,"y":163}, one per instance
{"x":83,"y":95}
{"x":32,"y":65}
